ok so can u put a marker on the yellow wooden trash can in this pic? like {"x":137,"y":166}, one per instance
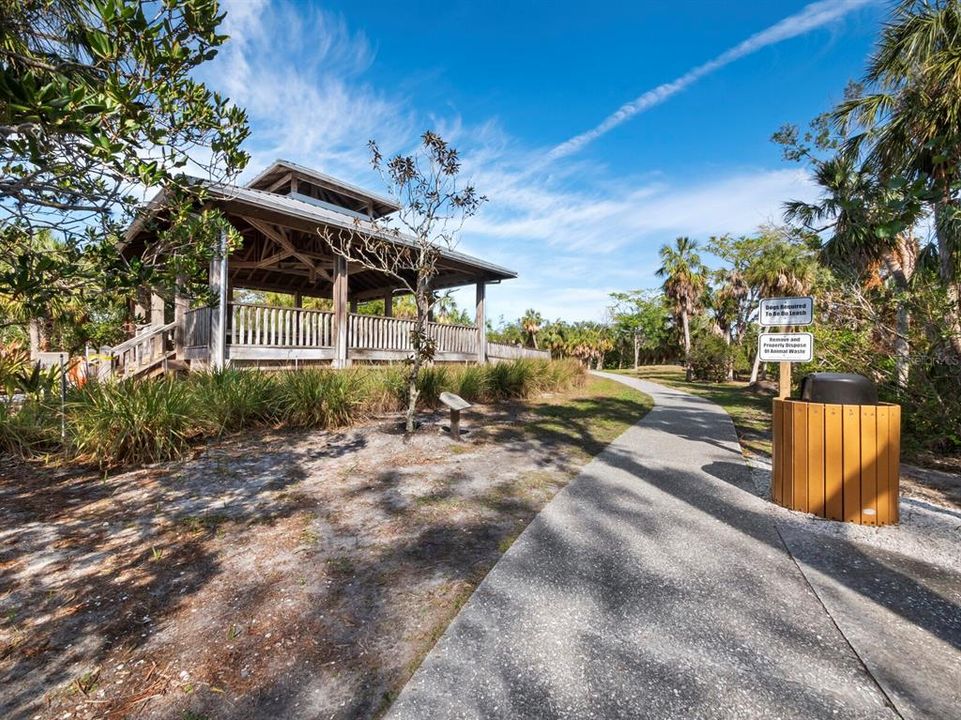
{"x":840,"y":462}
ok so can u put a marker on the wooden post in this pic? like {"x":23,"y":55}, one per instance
{"x":156,"y":321}
{"x":181,"y":306}
{"x":389,"y":304}
{"x":340,"y":312}
{"x":481,"y":321}
{"x":353,"y":305}
{"x":298,"y":299}
{"x":139,"y":311}
{"x":784,"y":380}
{"x":218,"y":317}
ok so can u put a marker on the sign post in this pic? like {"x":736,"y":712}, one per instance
{"x":786,"y":347}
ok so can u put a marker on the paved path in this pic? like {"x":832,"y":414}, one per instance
{"x":656,"y":585}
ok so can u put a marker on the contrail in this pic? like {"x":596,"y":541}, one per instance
{"x":813,"y":16}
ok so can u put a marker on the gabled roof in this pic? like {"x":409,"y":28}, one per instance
{"x":378,"y":205}
{"x":310,"y":217}
{"x":289,"y":211}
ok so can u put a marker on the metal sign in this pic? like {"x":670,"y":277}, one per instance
{"x":786,"y":311}
{"x":786,"y":347}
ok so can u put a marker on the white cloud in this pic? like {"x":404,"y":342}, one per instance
{"x":811,"y":17}
{"x":572,"y":231}
{"x":580,"y":220}
{"x":299,"y":71}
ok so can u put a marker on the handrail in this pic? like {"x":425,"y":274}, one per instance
{"x":137,"y":339}
{"x":278,"y":307}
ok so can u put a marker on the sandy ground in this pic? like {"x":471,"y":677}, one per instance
{"x":929,"y":529}
{"x":276,"y":575}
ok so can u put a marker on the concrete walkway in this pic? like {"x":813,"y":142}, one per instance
{"x":658,"y":585}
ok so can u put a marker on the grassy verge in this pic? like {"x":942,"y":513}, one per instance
{"x":136,"y":422}
{"x":751,"y":412}
{"x":589,"y":418}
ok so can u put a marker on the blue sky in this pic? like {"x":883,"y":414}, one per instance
{"x":599,"y":131}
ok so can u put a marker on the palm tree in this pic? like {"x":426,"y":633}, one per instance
{"x":783,"y":267}
{"x":531,"y":322}
{"x":911,"y":118}
{"x":684,"y":283}
{"x":871,"y":226}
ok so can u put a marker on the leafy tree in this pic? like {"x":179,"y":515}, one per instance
{"x":910,"y":118}
{"x":868,"y":224}
{"x":783,"y":266}
{"x":98,"y":102}
{"x":684,"y":283}
{"x":641,"y":319}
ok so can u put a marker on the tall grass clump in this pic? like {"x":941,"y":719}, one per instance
{"x":561,"y":375}
{"x":229,"y":399}
{"x":431,"y":382}
{"x":29,"y":429}
{"x":525,"y":377}
{"x":319,"y":398}
{"x":515,"y":378}
{"x":131,"y":422}
{"x":471,"y":382}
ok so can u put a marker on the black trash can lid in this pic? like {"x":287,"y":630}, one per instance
{"x":839,"y":388}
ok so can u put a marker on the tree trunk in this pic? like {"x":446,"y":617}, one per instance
{"x":946,"y":227}
{"x":902,"y":347}
{"x":423,"y":350}
{"x":35,"y":339}
{"x":534,"y":339}
{"x":756,"y":368}
{"x":637,"y":352}
{"x":687,"y":345}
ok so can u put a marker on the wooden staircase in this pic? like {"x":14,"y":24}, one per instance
{"x":147,"y":354}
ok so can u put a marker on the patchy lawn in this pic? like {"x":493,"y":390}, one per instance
{"x":751,"y":412}
{"x":273,"y":574}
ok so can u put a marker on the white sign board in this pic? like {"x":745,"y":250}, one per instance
{"x":786,"y":311}
{"x":786,"y":347}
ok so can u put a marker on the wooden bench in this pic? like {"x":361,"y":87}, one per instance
{"x":456,"y":403}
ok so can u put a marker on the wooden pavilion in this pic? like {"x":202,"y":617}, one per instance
{"x":283,"y":216}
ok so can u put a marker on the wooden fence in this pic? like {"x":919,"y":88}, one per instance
{"x":498,"y":351}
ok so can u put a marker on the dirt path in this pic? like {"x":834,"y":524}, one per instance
{"x":274,"y":575}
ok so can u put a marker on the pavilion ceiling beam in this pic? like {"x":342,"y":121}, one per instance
{"x":280,"y":183}
{"x":277,"y":235}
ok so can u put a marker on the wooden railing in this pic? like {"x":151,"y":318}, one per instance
{"x":142,"y":351}
{"x":454,"y":338}
{"x":499,"y":351}
{"x":269,"y":326}
{"x":372,"y":332}
{"x":197,"y":327}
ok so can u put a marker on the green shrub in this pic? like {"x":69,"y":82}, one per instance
{"x":230,"y":399}
{"x":143,"y":421}
{"x":319,"y":398}
{"x":711,"y":358}
{"x":432,"y":381}
{"x":131,"y":422}
{"x":471,"y":382}
{"x":31,"y":429}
